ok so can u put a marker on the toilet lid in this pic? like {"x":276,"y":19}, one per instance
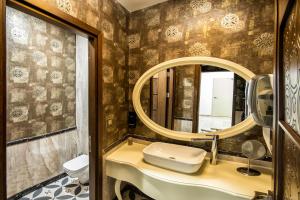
{"x":77,"y":163}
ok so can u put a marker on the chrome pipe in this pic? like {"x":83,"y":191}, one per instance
{"x":214,"y":146}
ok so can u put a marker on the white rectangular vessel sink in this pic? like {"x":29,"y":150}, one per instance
{"x":175,"y":157}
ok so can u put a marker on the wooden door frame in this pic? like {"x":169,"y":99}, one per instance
{"x":55,"y":16}
{"x":196,"y":99}
{"x":281,"y":128}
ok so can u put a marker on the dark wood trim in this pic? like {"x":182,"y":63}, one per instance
{"x":97,"y":121}
{"x":289,"y":131}
{"x":275,"y":134}
{"x":234,"y":100}
{"x":38,"y":137}
{"x":170,"y":100}
{"x":3,"y":100}
{"x":151,"y":99}
{"x":162,"y":97}
{"x":100,"y":132}
{"x":196,"y":99}
{"x":53,"y":15}
{"x":173,"y":99}
{"x":183,"y":118}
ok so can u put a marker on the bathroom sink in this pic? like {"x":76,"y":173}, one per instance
{"x":175,"y":157}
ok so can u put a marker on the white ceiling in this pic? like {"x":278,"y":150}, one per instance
{"x":133,"y":5}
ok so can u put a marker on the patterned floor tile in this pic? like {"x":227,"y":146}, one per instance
{"x":66,"y":188}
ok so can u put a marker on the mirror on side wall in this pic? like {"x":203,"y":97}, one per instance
{"x":196,"y":98}
{"x":192,"y":98}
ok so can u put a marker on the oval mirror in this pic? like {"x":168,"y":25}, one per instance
{"x":194,"y":97}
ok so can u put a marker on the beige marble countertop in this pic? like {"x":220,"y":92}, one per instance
{"x":222,"y":177}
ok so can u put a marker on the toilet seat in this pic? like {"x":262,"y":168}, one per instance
{"x":77,"y":164}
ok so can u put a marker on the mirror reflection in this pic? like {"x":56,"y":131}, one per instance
{"x":195,"y":98}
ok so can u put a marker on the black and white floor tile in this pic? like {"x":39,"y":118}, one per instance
{"x":66,"y":188}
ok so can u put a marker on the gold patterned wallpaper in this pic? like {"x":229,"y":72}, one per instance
{"x":41,"y":79}
{"x":239,"y":31}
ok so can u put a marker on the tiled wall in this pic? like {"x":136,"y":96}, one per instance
{"x":33,"y":162}
{"x":184,"y":92}
{"x":291,"y":152}
{"x":41,"y":92}
{"x":110,"y":17}
{"x":41,"y":87}
{"x":239,"y":31}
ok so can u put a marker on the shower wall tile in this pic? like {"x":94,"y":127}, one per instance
{"x":36,"y":161}
{"x":41,"y":160}
{"x":239,"y":31}
{"x":82,"y":99}
{"x":41,"y":70}
{"x":110,"y":17}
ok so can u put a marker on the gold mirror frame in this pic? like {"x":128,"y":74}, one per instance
{"x":237,"y":129}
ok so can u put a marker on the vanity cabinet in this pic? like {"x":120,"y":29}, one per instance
{"x":210,"y":182}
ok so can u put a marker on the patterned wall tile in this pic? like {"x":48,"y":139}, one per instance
{"x":152,"y":17}
{"x":134,"y":41}
{"x":64,"y":5}
{"x":108,"y":74}
{"x":201,"y":6}
{"x":173,"y":33}
{"x":264,"y":43}
{"x":38,"y":74}
{"x":232,"y":22}
{"x":19,"y":75}
{"x":199,"y":49}
{"x":18,"y":114}
{"x":239,"y":31}
{"x":108,"y":30}
{"x":115,"y":55}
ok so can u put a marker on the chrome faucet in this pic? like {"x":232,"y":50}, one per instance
{"x":214,"y":146}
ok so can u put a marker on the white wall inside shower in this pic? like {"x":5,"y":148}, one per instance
{"x":82,"y":93}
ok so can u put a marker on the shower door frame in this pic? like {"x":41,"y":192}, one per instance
{"x":281,"y":128}
{"x":55,"y":16}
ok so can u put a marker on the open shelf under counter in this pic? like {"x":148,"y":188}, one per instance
{"x":210,"y":182}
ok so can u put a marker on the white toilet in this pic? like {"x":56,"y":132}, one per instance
{"x":78,"y":168}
